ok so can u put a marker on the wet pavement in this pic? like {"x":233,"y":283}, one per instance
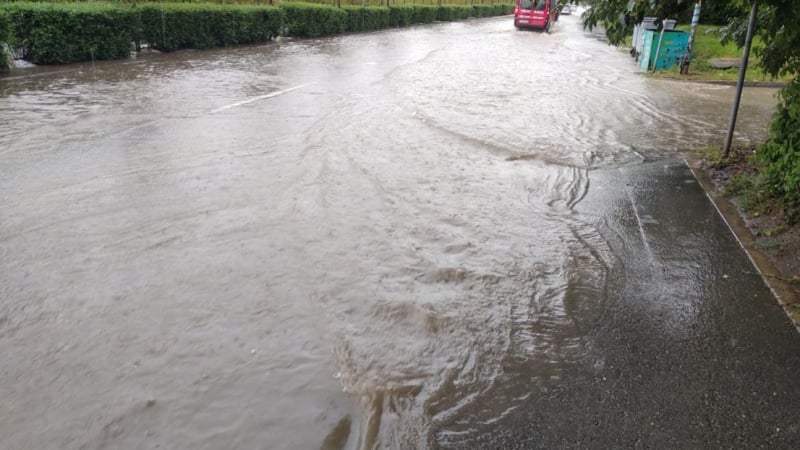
{"x":692,"y":352}
{"x":456,"y":235}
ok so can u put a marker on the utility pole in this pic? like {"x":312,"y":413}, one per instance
{"x":740,"y":84}
{"x":695,"y":20}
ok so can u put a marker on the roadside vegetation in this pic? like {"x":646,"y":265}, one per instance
{"x":710,"y":44}
{"x":67,"y":32}
{"x":5,"y":36}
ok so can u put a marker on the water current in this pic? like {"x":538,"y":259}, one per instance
{"x":351,"y":242}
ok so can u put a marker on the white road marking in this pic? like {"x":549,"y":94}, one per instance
{"x":260,"y":97}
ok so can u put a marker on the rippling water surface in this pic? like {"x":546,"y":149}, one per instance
{"x":353,"y":242}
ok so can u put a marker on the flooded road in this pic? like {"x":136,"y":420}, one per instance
{"x":377,"y":240}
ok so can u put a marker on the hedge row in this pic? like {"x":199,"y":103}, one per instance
{"x":60,"y":33}
{"x":195,"y":25}
{"x":366,"y":19}
{"x":5,"y":36}
{"x":340,"y":3}
{"x":312,"y":20}
{"x":65,"y":33}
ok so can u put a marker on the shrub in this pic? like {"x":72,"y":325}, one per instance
{"x":400,"y":16}
{"x":502,"y":9}
{"x":249,"y":24}
{"x":186,"y":25}
{"x":65,"y":33}
{"x":366,"y":19}
{"x":424,"y":13}
{"x":482,"y":10}
{"x":312,"y":20}
{"x":5,"y":38}
{"x":454,"y":12}
{"x":59,"y":33}
{"x":779,"y":157}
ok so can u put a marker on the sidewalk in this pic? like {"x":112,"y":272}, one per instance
{"x":692,"y":350}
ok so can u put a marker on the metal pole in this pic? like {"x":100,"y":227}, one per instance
{"x":740,"y":84}
{"x":658,"y":47}
{"x":695,"y":20}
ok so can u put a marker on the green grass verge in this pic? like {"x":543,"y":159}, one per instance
{"x":707,"y":46}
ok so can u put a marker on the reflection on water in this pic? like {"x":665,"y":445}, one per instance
{"x":355,"y":242}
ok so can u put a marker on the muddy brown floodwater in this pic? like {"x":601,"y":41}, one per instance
{"x":350,"y":242}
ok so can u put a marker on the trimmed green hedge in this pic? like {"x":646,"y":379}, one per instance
{"x":59,"y":33}
{"x":483,"y":10}
{"x":455,"y":12}
{"x":425,"y":13}
{"x":400,"y":16}
{"x":193,"y":25}
{"x":366,"y":19}
{"x":312,"y":20}
{"x":5,"y":38}
{"x":501,"y":9}
{"x":62,"y":33}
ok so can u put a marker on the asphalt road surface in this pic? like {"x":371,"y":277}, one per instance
{"x":456,"y":235}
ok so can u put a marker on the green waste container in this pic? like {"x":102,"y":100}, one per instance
{"x":672,"y":49}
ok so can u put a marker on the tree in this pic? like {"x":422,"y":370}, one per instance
{"x":720,"y":12}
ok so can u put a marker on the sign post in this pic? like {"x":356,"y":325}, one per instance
{"x":695,"y":20}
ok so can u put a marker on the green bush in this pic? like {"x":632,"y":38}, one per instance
{"x":59,"y":33}
{"x":65,"y":33}
{"x":502,"y":9}
{"x":400,"y":16}
{"x":175,"y":26}
{"x":779,"y":157}
{"x":248,"y":24}
{"x":5,"y":26}
{"x":463,"y":11}
{"x":312,"y":20}
{"x":449,"y":13}
{"x":366,"y":19}
{"x":482,"y":10}
{"x":5,"y":38}
{"x":424,"y":13}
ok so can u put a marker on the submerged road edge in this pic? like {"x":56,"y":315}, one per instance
{"x":784,"y":293}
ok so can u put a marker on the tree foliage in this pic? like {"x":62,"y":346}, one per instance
{"x":5,"y":37}
{"x":720,"y":12}
{"x":778,"y":29}
{"x":779,"y":157}
{"x":618,"y":17}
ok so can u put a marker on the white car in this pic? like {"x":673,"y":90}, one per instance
{"x":566,"y":9}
